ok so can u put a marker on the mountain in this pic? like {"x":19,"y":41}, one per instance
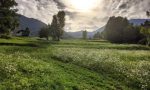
{"x":78,"y":34}
{"x":33,"y":24}
{"x":138,"y":21}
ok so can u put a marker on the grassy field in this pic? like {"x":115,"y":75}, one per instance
{"x":32,"y":64}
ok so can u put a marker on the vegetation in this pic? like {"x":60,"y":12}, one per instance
{"x":148,"y":14}
{"x":84,"y":35}
{"x":145,"y":30}
{"x":57,"y":26}
{"x":25,"y":33}
{"x":37,"y":64}
{"x":119,"y":30}
{"x":56,"y":29}
{"x":97,"y":35}
{"x":44,"y":33}
{"x":28,"y":63}
{"x":8,"y":17}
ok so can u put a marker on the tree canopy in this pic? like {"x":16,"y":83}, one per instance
{"x":8,"y":16}
{"x":57,"y":26}
{"x":119,"y":30}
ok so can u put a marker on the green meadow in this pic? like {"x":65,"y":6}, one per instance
{"x":36,"y":64}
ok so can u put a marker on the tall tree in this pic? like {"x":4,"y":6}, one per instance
{"x":97,"y":36}
{"x":84,"y":34}
{"x":115,"y":28}
{"x":26,"y":32}
{"x":57,"y":26}
{"x":145,"y":30}
{"x":8,"y":16}
{"x":148,"y":13}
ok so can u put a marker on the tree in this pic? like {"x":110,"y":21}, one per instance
{"x":26,"y":32}
{"x":114,"y":29}
{"x":54,"y":28}
{"x":8,"y":16}
{"x":97,"y":35}
{"x":146,"y":32}
{"x":44,"y":33}
{"x":57,"y":26}
{"x":84,"y":35}
{"x":148,"y":13}
{"x":132,"y":34}
{"x":119,"y":30}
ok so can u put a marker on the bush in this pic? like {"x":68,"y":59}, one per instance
{"x":5,"y":36}
{"x":143,"y":41}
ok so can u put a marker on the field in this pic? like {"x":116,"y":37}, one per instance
{"x":34,"y":64}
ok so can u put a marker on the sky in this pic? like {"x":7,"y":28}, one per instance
{"x":83,"y":14}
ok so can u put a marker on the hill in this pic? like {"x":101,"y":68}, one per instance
{"x":138,"y":21}
{"x":33,"y":24}
{"x":78,"y":34}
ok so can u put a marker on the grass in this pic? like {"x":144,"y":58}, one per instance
{"x":32,"y":64}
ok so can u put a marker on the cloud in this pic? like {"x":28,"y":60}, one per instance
{"x":76,"y":20}
{"x":39,"y":9}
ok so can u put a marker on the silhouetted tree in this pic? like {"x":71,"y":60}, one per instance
{"x":148,"y":13}
{"x":55,"y":29}
{"x":84,"y":34}
{"x":132,"y":34}
{"x":114,"y":29}
{"x":26,"y":32}
{"x":44,"y":33}
{"x":57,"y":26}
{"x":119,"y":30}
{"x":97,"y":36}
{"x":8,"y":16}
{"x":145,"y":30}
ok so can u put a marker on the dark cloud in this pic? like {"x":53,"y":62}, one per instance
{"x":123,"y":6}
{"x":60,"y":4}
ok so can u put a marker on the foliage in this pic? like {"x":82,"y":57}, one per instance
{"x":26,"y":32}
{"x":146,"y":32}
{"x":148,"y":13}
{"x":55,"y":29}
{"x":132,"y":34}
{"x":44,"y":32}
{"x":84,"y":35}
{"x":57,"y":26}
{"x":97,"y":35}
{"x":8,"y":17}
{"x":114,"y":29}
{"x":119,"y":30}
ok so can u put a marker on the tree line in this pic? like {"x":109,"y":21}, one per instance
{"x":56,"y":29}
{"x":8,"y":17}
{"x":120,"y":30}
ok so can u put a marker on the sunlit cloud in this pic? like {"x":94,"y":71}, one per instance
{"x":83,"y":14}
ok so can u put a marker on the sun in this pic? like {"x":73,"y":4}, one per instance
{"x":83,"y":5}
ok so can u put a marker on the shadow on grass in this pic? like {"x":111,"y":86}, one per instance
{"x":19,"y":44}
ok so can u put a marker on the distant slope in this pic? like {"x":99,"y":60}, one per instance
{"x":66,"y":36}
{"x":33,"y":24}
{"x":78,"y":34}
{"x":138,"y":21}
